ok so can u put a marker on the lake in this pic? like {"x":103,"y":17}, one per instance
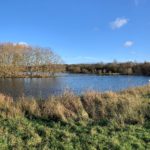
{"x":78,"y":83}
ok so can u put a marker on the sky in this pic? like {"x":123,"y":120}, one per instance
{"x":80,"y":31}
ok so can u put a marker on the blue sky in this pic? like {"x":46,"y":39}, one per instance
{"x":80,"y":31}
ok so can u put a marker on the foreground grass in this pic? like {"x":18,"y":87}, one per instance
{"x":22,"y":133}
{"x":91,"y":121}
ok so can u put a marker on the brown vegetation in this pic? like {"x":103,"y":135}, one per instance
{"x":130,"y":106}
{"x":127,"y":68}
{"x":27,"y":61}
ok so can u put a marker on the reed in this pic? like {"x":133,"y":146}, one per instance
{"x":131,"y":106}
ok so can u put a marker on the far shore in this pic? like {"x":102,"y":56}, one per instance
{"x":54,"y":75}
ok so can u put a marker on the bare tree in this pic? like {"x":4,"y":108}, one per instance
{"x":16,"y":58}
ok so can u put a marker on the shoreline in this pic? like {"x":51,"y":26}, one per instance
{"x":130,"y":94}
{"x":90,"y":121}
{"x":55,"y":76}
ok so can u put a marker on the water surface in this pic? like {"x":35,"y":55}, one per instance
{"x":78,"y":83}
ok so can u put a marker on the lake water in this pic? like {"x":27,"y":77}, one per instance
{"x":78,"y":83}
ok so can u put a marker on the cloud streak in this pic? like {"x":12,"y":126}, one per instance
{"x":21,"y":43}
{"x":128,"y":44}
{"x":118,"y":23}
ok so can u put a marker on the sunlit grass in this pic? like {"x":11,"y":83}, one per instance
{"x":90,"y":121}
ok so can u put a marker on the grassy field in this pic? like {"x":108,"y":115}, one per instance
{"x":91,"y":121}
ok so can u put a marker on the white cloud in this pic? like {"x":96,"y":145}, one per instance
{"x":128,"y":44}
{"x":21,"y":43}
{"x":118,"y":23}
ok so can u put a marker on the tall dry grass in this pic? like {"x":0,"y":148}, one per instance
{"x":8,"y":107}
{"x":130,"y":106}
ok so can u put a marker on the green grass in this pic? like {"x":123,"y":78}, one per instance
{"x":93,"y":121}
{"x":22,"y":133}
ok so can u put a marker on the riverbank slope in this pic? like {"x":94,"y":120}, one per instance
{"x":90,"y":121}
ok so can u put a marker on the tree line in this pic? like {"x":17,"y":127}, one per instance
{"x":127,"y":68}
{"x":18,"y":60}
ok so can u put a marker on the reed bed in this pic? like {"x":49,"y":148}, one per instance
{"x":92,"y":121}
{"x":129,"y":106}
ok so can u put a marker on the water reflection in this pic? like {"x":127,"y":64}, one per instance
{"x":42,"y":88}
{"x":12,"y":87}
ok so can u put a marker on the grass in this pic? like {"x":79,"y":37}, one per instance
{"x":90,"y":121}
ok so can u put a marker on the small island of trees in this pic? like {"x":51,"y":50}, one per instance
{"x":19,"y":60}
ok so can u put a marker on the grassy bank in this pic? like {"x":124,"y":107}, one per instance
{"x":90,"y":121}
